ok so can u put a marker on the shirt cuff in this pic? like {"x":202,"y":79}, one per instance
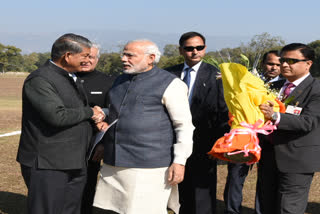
{"x":278,"y":119}
{"x":180,"y":160}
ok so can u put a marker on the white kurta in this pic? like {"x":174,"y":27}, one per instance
{"x":135,"y":191}
{"x":145,"y":191}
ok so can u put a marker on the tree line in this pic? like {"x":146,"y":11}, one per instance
{"x":11,"y":58}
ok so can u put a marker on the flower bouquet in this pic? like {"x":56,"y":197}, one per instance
{"x":243,"y":93}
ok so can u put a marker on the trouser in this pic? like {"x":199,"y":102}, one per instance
{"x":267,"y":184}
{"x":90,"y":187}
{"x":237,"y":173}
{"x":293,"y":192}
{"x":54,"y":191}
{"x":197,"y":193}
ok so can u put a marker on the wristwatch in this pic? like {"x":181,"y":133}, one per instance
{"x":274,"y":116}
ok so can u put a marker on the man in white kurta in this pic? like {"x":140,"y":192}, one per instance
{"x":146,"y":150}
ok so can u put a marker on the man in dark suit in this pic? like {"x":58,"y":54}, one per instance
{"x":296,"y":140}
{"x":56,"y":129}
{"x":237,"y":172}
{"x":96,"y":85}
{"x":209,"y":116}
{"x":267,"y":182}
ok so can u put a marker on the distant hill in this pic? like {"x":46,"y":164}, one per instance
{"x":110,"y":41}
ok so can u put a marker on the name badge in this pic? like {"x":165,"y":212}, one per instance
{"x":96,"y":92}
{"x":293,"y":110}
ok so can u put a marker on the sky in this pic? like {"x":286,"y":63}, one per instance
{"x":292,"y":20}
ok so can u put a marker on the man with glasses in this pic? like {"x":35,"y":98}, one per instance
{"x":146,"y":150}
{"x":96,"y":85}
{"x":209,"y":115}
{"x":56,"y":129}
{"x":296,"y":140}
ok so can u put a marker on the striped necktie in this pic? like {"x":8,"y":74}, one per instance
{"x":287,"y":91}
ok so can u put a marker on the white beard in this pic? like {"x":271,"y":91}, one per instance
{"x":131,"y":71}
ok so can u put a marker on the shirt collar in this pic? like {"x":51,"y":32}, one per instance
{"x":274,"y":79}
{"x":298,"y":81}
{"x":195,"y":67}
{"x":72,"y":75}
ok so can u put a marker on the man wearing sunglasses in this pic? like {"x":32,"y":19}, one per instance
{"x":296,"y":140}
{"x":209,"y":115}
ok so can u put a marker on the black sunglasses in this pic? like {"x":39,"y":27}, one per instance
{"x":191,"y":48}
{"x":291,"y":61}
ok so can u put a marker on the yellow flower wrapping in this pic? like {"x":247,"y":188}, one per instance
{"x":243,"y":93}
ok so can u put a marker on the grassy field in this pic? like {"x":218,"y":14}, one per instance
{"x":12,"y":188}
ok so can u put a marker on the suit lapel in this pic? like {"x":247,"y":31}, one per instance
{"x":200,"y":82}
{"x":80,"y":88}
{"x":277,"y":84}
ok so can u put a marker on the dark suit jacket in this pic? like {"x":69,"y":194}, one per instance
{"x":208,"y":108}
{"x":55,"y":121}
{"x":297,"y":140}
{"x":96,"y":85}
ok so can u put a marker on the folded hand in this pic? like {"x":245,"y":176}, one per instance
{"x":98,"y":114}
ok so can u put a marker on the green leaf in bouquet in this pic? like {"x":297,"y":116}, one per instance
{"x":288,"y":100}
{"x":245,"y":60}
{"x":210,"y":60}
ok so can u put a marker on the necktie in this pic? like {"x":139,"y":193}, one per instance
{"x":287,"y":91}
{"x":187,"y":76}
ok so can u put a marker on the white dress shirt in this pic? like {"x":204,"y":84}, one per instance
{"x":296,"y":83}
{"x":193,"y":75}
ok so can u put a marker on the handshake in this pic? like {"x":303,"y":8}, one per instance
{"x":98,"y":117}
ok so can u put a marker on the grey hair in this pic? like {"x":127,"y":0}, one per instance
{"x":98,"y":47}
{"x":151,"y":48}
{"x":69,"y":43}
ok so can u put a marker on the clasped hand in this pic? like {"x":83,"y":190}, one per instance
{"x":98,"y":115}
{"x":267,"y":110}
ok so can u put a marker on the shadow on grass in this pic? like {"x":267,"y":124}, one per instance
{"x":220,"y":208}
{"x":12,"y":203}
{"x":313,"y":208}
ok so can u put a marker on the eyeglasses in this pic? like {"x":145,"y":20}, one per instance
{"x":191,"y":48}
{"x":291,"y":61}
